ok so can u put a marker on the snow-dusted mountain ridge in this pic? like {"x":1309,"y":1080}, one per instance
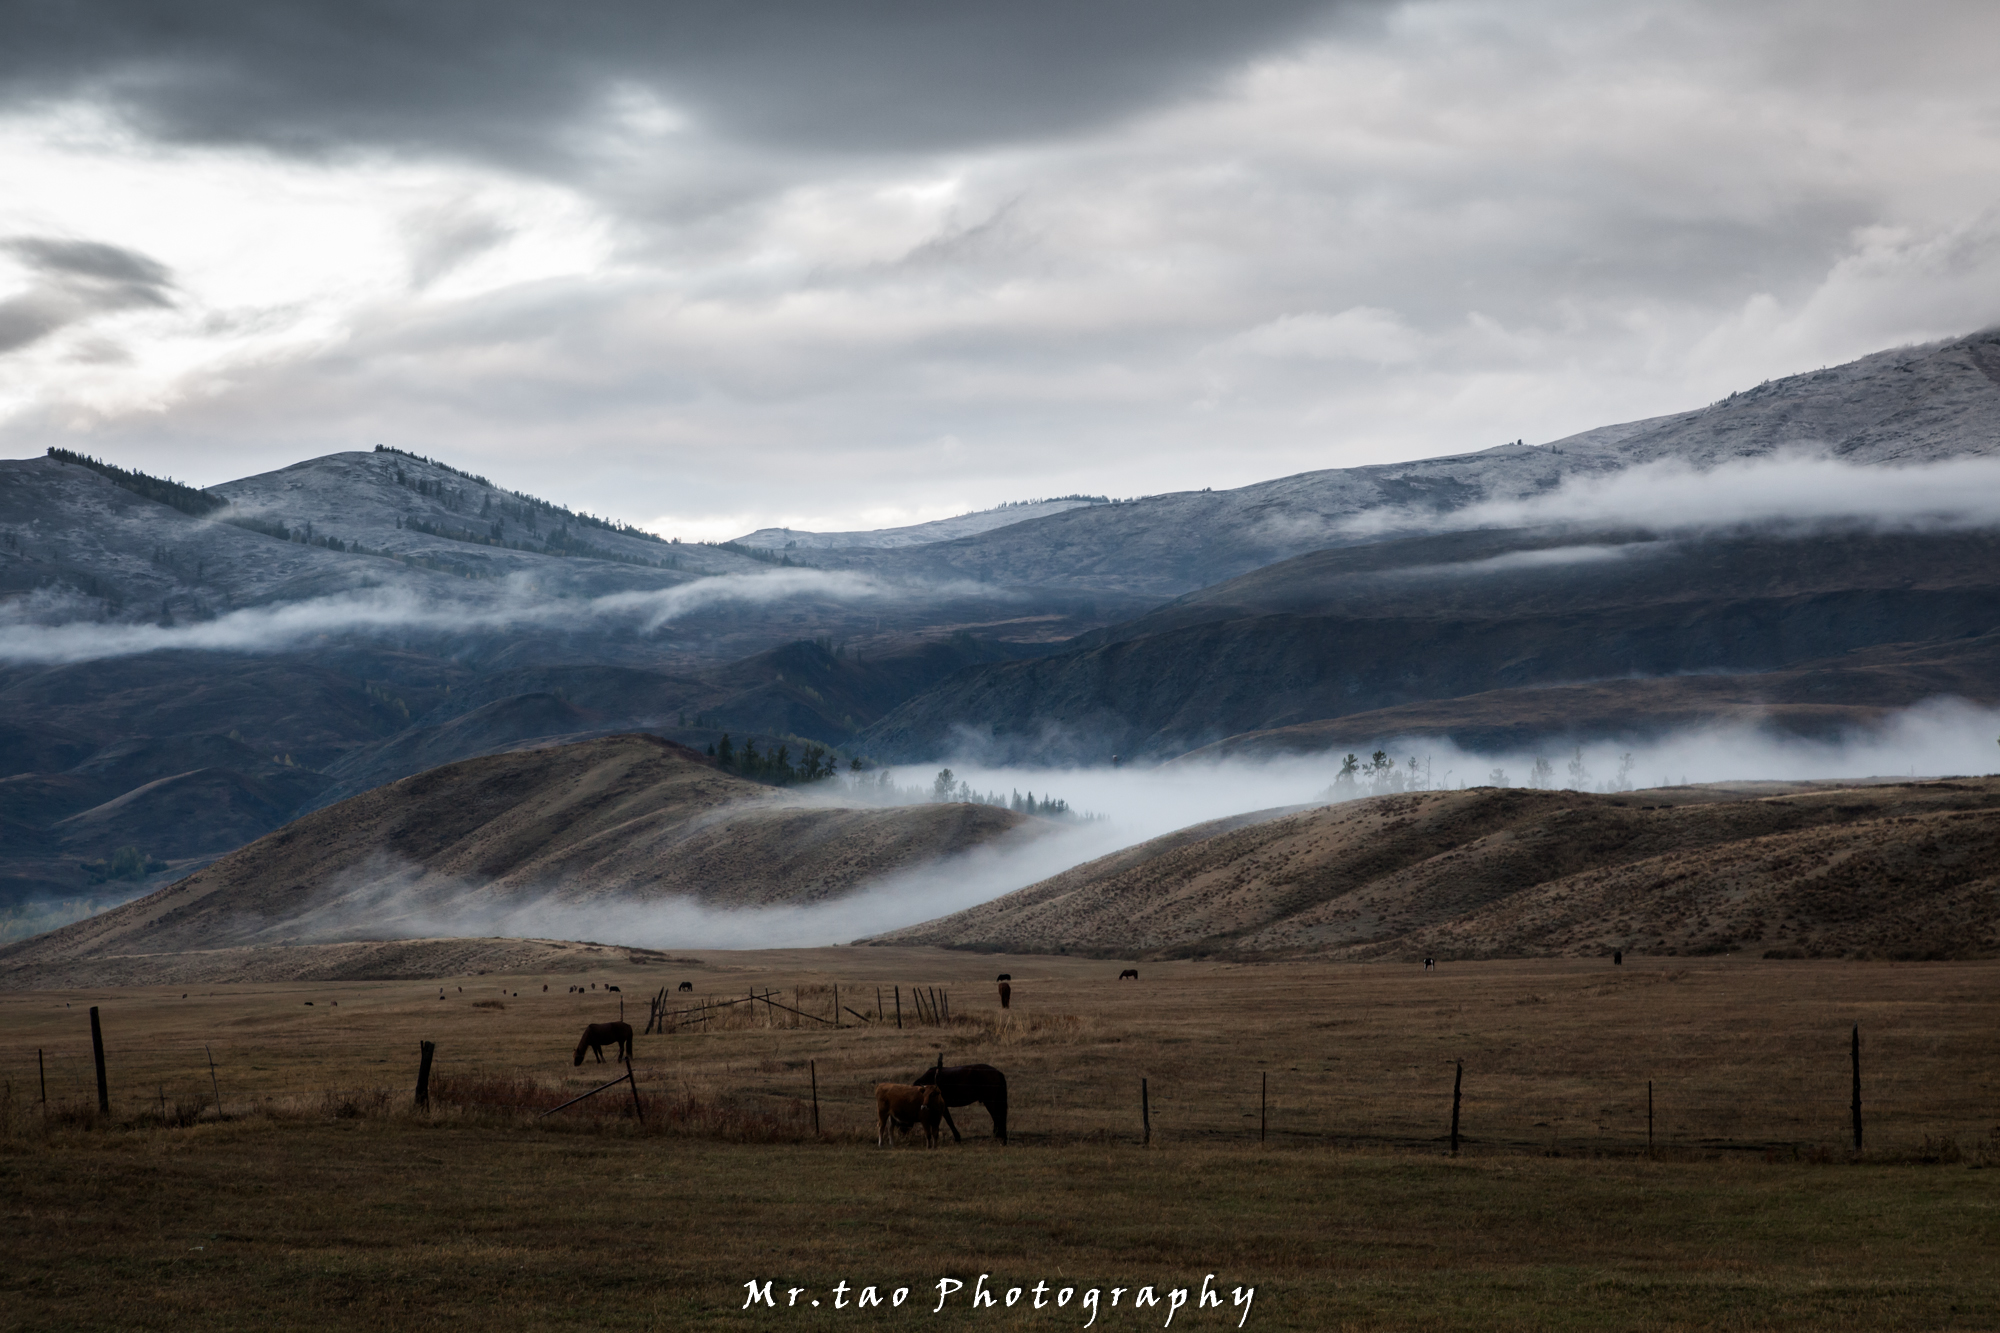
{"x":915,"y":534}
{"x":1909,"y":405}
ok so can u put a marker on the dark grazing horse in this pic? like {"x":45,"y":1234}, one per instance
{"x":962,"y":1085}
{"x":599,"y":1035}
{"x":687,"y":985}
{"x":1131,"y":972}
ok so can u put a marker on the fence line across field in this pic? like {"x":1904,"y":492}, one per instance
{"x":1817,"y":1102}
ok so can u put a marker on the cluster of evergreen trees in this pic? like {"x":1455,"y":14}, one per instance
{"x":947,"y":786}
{"x":1543,"y":775}
{"x":818,"y":764}
{"x":127,"y":863}
{"x":187,"y":499}
{"x":1380,"y":775}
{"x":775,"y":766}
{"x":759,"y":553}
{"x":1049,"y":500}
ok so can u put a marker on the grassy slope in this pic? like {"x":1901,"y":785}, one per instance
{"x":1902,"y":870}
{"x":630,"y":813}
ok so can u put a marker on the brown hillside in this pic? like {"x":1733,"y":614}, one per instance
{"x":1899,"y":870}
{"x":634,"y":816}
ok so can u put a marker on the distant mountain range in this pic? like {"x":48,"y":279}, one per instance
{"x":183,"y":672}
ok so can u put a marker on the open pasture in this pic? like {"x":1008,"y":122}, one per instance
{"x":324,"y":1199}
{"x":1742,"y":1055}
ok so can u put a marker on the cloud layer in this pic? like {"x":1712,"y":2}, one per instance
{"x":1941,"y":738}
{"x":55,"y":629}
{"x":1782,"y":491}
{"x":800,"y":263}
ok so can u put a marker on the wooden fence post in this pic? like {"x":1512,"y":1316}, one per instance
{"x":878,"y":1004}
{"x":812,"y":1069}
{"x":1857,"y":1087}
{"x":43,"y":1070}
{"x":899,"y":1008}
{"x":836,"y":1003}
{"x":1457,"y":1082}
{"x":632,"y":1080}
{"x":428,"y":1049}
{"x":97,"y":1051}
{"x":1145,"y":1112}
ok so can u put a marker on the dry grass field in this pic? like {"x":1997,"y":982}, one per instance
{"x":1894,"y":870}
{"x":321,"y":1198}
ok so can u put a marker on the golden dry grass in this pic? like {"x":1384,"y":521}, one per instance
{"x":1880,"y":870}
{"x":325,"y":1201}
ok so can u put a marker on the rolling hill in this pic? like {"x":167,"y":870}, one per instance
{"x":629,"y":819}
{"x":1902,"y":870}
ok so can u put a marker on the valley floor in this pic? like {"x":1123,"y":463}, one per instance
{"x":325,"y":1200}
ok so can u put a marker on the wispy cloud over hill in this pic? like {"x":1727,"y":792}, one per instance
{"x":1791,"y":489}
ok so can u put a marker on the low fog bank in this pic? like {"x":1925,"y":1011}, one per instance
{"x":1794,"y":489}
{"x":1936,"y":738}
{"x":401,"y":901}
{"x":52,"y":628}
{"x":1132,"y":805}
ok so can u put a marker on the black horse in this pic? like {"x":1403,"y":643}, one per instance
{"x":599,"y":1035}
{"x":963,"y":1085}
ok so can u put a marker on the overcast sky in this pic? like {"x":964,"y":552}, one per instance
{"x":712,"y":266}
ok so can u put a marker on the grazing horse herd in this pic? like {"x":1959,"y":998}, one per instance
{"x":925,"y":1102}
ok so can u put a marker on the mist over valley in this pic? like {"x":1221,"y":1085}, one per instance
{"x":1797,"y":583}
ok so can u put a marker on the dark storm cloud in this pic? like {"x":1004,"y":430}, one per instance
{"x":74,"y":280}
{"x":508,"y":79}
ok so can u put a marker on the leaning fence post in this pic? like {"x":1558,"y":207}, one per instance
{"x":899,"y":1008}
{"x":1145,"y":1112}
{"x":43,"y":1070}
{"x":812,"y":1071}
{"x":632,"y":1080}
{"x":1457,"y":1082}
{"x":1857,"y":1087}
{"x":429,"y":1048}
{"x":97,"y":1050}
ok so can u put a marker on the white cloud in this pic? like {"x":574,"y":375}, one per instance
{"x":1790,"y":488}
{"x":1360,"y":333}
{"x":1471,"y":224}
